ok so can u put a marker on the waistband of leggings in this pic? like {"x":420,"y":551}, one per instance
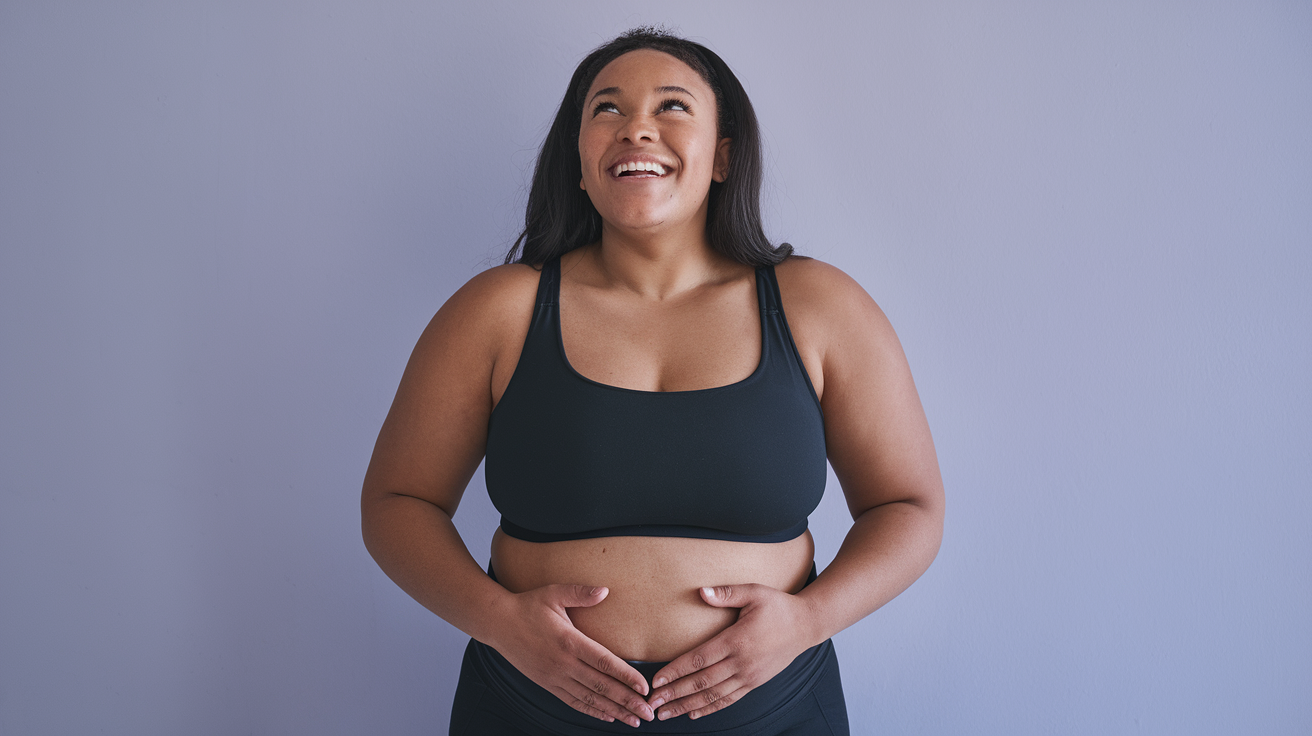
{"x":754,"y":712}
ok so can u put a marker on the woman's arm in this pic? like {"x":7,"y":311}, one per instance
{"x":430,"y":445}
{"x":879,"y":445}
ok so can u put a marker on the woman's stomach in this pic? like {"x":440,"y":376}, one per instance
{"x":653,"y":612}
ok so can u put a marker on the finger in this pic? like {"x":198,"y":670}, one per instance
{"x":577,"y":596}
{"x":719,"y":703}
{"x":695,"y":682}
{"x":696,"y":691}
{"x":703,"y":656}
{"x":568,"y":698}
{"x":732,"y":596}
{"x":604,"y":661}
{"x":608,"y":695}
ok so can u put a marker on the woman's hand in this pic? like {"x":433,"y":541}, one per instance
{"x":773,"y":627}
{"x":540,"y":641}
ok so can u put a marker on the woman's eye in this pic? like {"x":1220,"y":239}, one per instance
{"x":675,"y":105}
{"x":604,"y":107}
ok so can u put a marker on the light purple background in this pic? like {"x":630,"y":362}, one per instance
{"x":225,"y":224}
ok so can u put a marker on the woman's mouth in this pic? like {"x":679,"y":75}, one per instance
{"x":638,"y":169}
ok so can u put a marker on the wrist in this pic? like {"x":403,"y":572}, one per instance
{"x":812,"y":624}
{"x":494,"y":615}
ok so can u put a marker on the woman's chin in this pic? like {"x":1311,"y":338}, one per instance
{"x":648,"y":221}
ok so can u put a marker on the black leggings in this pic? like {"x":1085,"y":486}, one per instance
{"x":495,"y":699}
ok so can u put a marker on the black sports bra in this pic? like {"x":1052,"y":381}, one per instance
{"x":570,"y":458}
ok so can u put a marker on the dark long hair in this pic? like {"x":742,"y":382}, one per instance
{"x":560,"y":216}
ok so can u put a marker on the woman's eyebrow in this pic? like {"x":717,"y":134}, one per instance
{"x":680,"y":90}
{"x":665,"y":89}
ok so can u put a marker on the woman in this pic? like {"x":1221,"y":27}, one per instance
{"x":655,"y":433}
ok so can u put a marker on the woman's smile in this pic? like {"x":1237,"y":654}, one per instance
{"x":639,"y":169}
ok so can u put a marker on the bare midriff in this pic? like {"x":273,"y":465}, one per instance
{"x":653,"y":611}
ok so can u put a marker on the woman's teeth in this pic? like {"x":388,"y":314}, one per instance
{"x":654,"y":168}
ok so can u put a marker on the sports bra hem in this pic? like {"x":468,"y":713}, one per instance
{"x":654,"y":530}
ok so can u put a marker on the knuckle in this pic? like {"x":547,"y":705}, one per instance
{"x":604,"y":666}
{"x":601,"y":687}
{"x":717,"y":705}
{"x":589,"y":700}
{"x":700,"y":683}
{"x":583,"y":707}
{"x":710,"y":696}
{"x":698,"y":661}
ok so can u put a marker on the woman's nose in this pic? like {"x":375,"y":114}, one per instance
{"x":639,"y":128}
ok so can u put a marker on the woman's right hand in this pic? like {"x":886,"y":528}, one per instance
{"x":541,"y":642}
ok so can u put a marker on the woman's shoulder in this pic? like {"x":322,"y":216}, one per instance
{"x":806,"y":270}
{"x":835,"y":323}
{"x":814,"y":290}
{"x":494,"y":296}
{"x":497,"y":289}
{"x":490,"y":311}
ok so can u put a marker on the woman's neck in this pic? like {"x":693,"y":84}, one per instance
{"x":656,"y":268}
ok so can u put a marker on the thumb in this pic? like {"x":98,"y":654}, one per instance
{"x":578,"y":596}
{"x":729,"y":596}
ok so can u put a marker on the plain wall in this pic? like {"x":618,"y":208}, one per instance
{"x":223,"y":226}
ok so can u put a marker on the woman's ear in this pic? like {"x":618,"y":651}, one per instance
{"x":721,"y":170}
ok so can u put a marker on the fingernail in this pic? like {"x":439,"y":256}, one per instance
{"x":663,"y":715}
{"x":708,"y":592}
{"x":648,"y":713}
{"x":659,"y":681}
{"x":658,"y":702}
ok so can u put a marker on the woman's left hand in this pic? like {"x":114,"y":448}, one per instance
{"x":773,"y":627}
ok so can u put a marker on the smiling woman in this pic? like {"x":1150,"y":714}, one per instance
{"x":655,"y":432}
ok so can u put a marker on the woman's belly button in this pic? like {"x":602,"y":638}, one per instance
{"x":653,"y":631}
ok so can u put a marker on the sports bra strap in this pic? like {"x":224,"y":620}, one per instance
{"x":770,"y":294}
{"x":548,"y":282}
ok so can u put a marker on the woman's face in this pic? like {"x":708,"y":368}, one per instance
{"x":649,"y":144}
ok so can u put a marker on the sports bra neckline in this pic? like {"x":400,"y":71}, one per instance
{"x":761,"y":362}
